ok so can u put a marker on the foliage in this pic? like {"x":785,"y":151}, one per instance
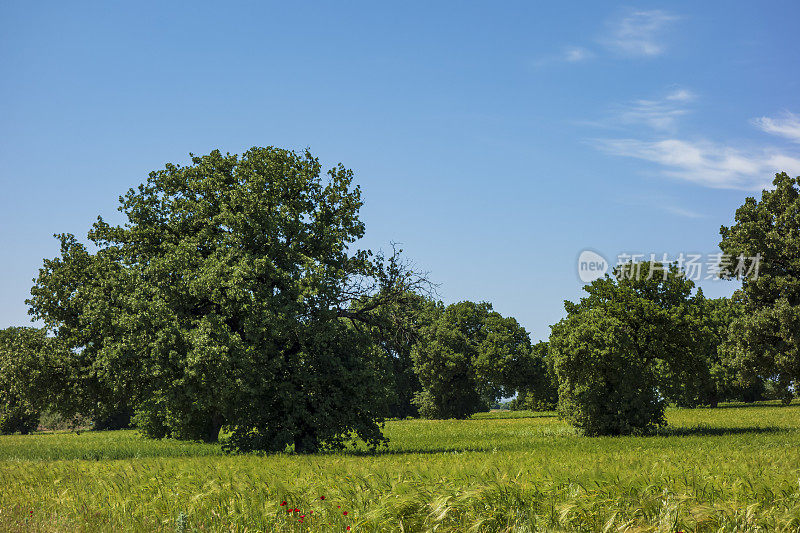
{"x":120,"y":419}
{"x":720,"y":377}
{"x":732,"y":469}
{"x":467,"y":357}
{"x":537,"y":384}
{"x":230,"y":297}
{"x":18,"y":416}
{"x":396,"y":330}
{"x":29,"y":372}
{"x":76,"y":295}
{"x":611,"y":351}
{"x":52,"y":420}
{"x":767,"y":335}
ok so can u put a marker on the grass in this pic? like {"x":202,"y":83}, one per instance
{"x":729,"y":469}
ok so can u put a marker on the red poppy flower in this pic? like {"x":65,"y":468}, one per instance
{"x":297,"y":510}
{"x":345,"y":513}
{"x":322,"y":497}
{"x":283,"y":503}
{"x":348,"y":528}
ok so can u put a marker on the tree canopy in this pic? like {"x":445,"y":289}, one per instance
{"x":535,"y":380}
{"x":31,"y":369}
{"x":611,"y":350}
{"x":468,"y":356}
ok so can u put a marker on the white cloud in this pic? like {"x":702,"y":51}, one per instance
{"x":681,"y":95}
{"x":706,"y":163}
{"x":703,"y":162}
{"x":787,"y":126}
{"x":660,"y":115}
{"x":639,"y":34}
{"x":575,"y":54}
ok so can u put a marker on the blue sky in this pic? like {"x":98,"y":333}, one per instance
{"x":495,"y":141}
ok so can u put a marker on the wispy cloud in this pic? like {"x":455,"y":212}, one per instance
{"x":570,"y":54}
{"x":681,"y":95}
{"x":635,"y":34}
{"x":574,"y":54}
{"x":706,"y":163}
{"x":660,"y":114}
{"x":639,"y":34}
{"x":787,"y":126}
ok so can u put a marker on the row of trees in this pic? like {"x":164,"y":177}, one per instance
{"x":233,"y":297}
{"x":444,"y":362}
{"x":637,"y":342}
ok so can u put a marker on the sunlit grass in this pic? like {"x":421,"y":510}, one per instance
{"x":730,"y":469}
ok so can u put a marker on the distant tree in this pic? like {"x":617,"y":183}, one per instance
{"x":76,"y":295}
{"x":396,"y":330}
{"x":535,"y":381}
{"x":231,"y":298}
{"x":719,"y":379}
{"x":29,"y":373}
{"x":443,"y":365}
{"x":465,"y":357}
{"x":765,"y":339}
{"x":723,"y":378}
{"x":610,"y":350}
{"x":708,"y":375}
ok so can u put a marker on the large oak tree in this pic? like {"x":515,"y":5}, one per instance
{"x":232,"y":297}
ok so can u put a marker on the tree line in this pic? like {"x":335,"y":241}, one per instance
{"x":234,"y":299}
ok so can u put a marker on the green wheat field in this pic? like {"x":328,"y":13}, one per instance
{"x":735,"y":468}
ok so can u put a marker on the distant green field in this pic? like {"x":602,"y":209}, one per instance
{"x":735,"y":468}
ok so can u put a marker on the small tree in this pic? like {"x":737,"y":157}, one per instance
{"x":75,"y":295}
{"x":608,"y":350}
{"x":606,"y":387}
